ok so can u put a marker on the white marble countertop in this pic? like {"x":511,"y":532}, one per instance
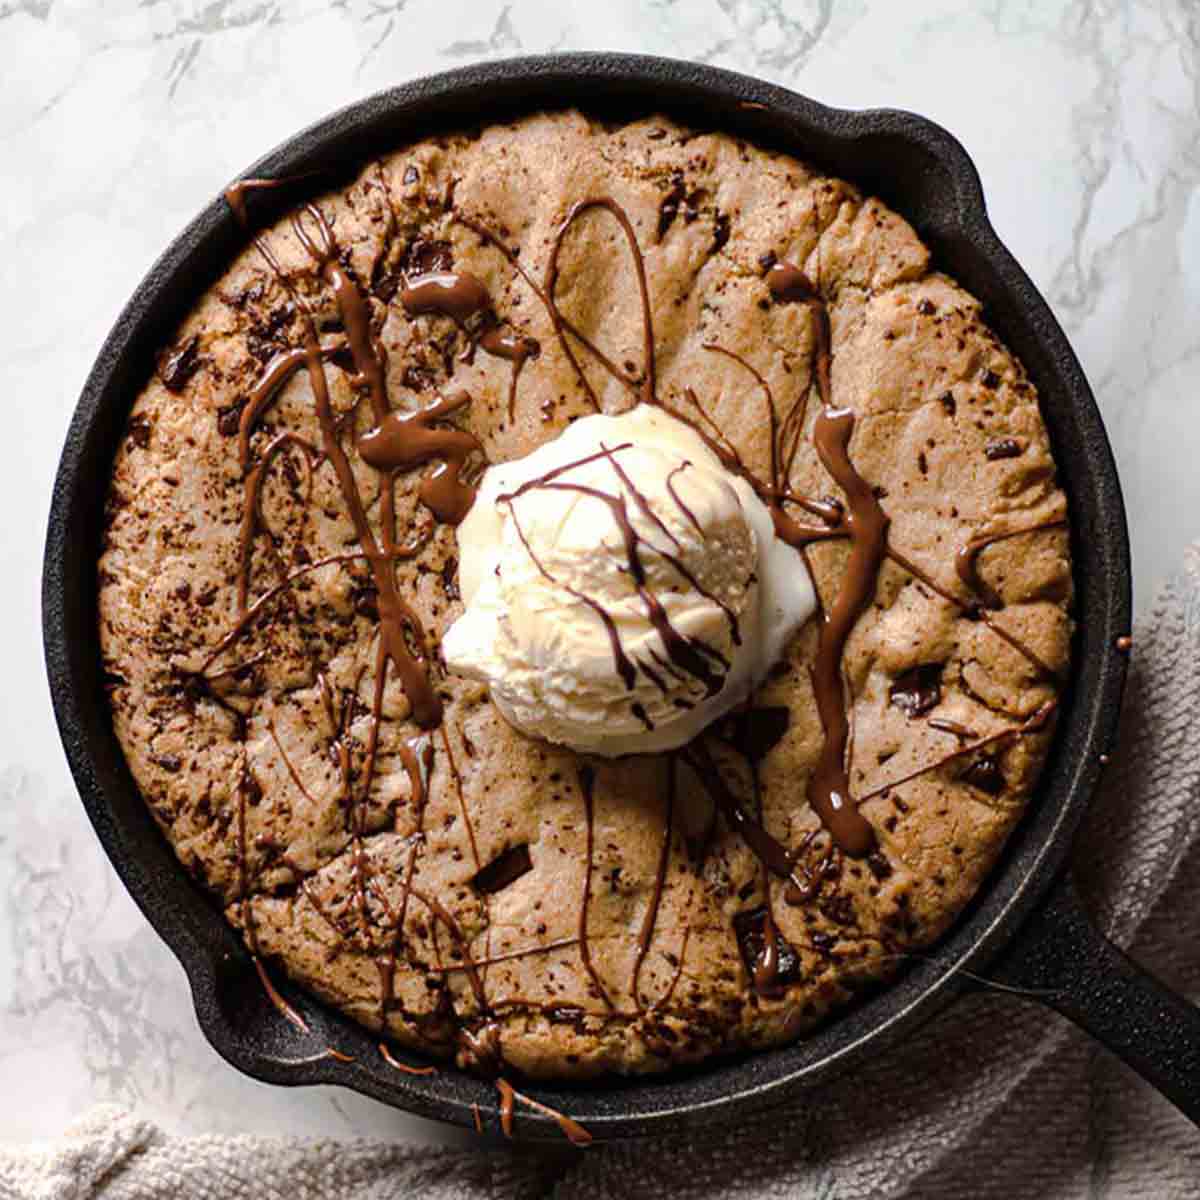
{"x":118,"y":120}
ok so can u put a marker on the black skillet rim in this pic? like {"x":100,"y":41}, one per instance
{"x":927,"y":176}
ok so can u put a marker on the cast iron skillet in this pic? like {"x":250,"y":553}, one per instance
{"x":1025,"y":928}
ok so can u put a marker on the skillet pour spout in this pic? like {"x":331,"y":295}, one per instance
{"x":1010,"y":931}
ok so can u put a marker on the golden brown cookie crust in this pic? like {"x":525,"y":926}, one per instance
{"x":237,"y":753}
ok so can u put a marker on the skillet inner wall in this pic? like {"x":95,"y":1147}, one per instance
{"x":907,"y":174}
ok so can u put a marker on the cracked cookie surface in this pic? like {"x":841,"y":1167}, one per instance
{"x":468,"y":891}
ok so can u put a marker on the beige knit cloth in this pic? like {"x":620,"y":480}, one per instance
{"x":995,"y":1098}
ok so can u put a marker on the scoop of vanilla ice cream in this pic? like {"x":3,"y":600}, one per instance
{"x":622,"y":588}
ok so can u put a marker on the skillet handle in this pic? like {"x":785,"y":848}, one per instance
{"x":1061,"y":955}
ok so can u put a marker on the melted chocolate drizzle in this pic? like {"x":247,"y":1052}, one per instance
{"x":829,"y":785}
{"x":864,"y":522}
{"x":587,"y":781}
{"x":393,"y":1062}
{"x":454,"y":294}
{"x":517,"y":349}
{"x":770,"y":960}
{"x":572,"y":1130}
{"x":650,"y":920}
{"x":622,"y":662}
{"x":279,"y":370}
{"x":647,"y":390}
{"x":460,"y":296}
{"x":974,"y":610}
{"x":683,"y":508}
{"x":771,"y":852}
{"x":966,"y":561}
{"x":690,"y":655}
{"x":284,"y":1009}
{"x":1035,"y":723}
{"x":252,"y":517}
{"x":235,"y":195}
{"x":405,"y":440}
